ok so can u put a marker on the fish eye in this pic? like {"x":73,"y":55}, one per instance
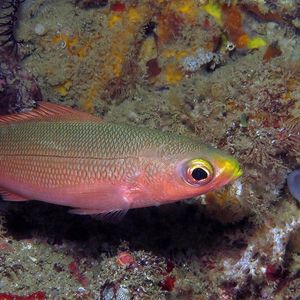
{"x":198,"y":172}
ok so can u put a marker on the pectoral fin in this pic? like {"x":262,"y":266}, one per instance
{"x":114,"y":216}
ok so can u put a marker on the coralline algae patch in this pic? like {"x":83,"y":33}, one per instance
{"x":100,"y":53}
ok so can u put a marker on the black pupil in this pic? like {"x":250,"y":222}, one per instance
{"x":199,"y":174}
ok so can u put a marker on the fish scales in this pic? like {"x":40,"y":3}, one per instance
{"x":75,"y":159}
{"x":83,"y":139}
{"x":83,"y":150}
{"x":50,"y":151}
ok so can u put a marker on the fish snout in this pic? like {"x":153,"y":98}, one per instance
{"x":226,"y":169}
{"x":230,"y":170}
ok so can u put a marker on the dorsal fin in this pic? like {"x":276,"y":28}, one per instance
{"x":48,"y":111}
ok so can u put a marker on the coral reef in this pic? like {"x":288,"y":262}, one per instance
{"x":18,"y":88}
{"x":226,"y":72}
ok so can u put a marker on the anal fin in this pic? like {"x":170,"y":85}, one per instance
{"x":9,"y":196}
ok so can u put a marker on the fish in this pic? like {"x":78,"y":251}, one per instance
{"x":63,"y":156}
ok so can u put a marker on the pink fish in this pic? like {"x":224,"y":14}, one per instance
{"x":58,"y":155}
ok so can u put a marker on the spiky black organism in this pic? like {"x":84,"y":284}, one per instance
{"x":8,"y":23}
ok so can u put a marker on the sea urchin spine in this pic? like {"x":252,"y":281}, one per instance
{"x":8,"y":21}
